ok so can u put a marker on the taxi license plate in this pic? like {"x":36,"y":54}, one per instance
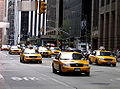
{"x":77,"y":69}
{"x":108,"y":62}
{"x":33,"y":59}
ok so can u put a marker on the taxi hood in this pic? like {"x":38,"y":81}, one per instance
{"x":74,"y":61}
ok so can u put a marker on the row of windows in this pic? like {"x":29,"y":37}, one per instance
{"x":107,"y":2}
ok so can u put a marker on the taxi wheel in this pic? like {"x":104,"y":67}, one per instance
{"x":20,"y":59}
{"x":23,"y":60}
{"x":60,"y":70}
{"x":90,"y":61}
{"x":87,"y":73}
{"x":9,"y":53}
{"x":53,"y":69}
{"x":114,"y":65}
{"x":40,"y":62}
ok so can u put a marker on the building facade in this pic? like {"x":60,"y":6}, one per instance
{"x":1,"y":18}
{"x":108,"y":24}
{"x":25,"y":22}
{"x":76,"y":12}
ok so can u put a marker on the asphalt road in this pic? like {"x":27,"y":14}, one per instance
{"x":16,"y":75}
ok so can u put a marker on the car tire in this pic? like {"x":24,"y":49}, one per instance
{"x":87,"y":73}
{"x":9,"y":52}
{"x":114,"y":65}
{"x":60,"y":70}
{"x":40,"y":62}
{"x":23,"y":60}
{"x":53,"y":69}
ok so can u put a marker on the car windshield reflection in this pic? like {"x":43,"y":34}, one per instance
{"x":105,"y":54}
{"x":30,"y":51}
{"x":71,"y":56}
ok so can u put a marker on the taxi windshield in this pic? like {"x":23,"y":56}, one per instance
{"x":71,"y":56}
{"x":30,"y":51}
{"x":14,"y":47}
{"x":105,"y":53}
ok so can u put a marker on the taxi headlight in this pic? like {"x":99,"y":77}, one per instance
{"x":66,"y":65}
{"x":86,"y":64}
{"x":26,"y":56}
{"x":101,"y":59}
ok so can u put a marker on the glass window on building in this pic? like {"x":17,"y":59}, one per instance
{"x":102,"y":3}
{"x":113,"y":0}
{"x":107,"y":2}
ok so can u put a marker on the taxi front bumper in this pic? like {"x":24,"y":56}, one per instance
{"x":76,"y":69}
{"x":107,"y":62}
{"x":15,"y":52}
{"x":32,"y":59}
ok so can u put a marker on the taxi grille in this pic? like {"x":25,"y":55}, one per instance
{"x":33,"y":56}
{"x":76,"y":65}
{"x":108,"y":59}
{"x":56,"y":52}
{"x":45,"y":52}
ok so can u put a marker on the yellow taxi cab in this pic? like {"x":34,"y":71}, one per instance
{"x":55,"y":50}
{"x":45,"y":52}
{"x":102,"y":57}
{"x":4,"y":47}
{"x":30,"y":54}
{"x":70,"y":62}
{"x":14,"y":50}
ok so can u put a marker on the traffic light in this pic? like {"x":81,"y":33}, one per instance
{"x":43,"y":7}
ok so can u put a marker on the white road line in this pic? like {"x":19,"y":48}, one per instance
{"x":55,"y":80}
{"x":1,"y":77}
{"x":8,"y":70}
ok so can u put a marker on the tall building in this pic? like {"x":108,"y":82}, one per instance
{"x":76,"y":12}
{"x":3,"y":22}
{"x":108,"y":24}
{"x":1,"y":17}
{"x":25,"y":21}
{"x":94,"y":24}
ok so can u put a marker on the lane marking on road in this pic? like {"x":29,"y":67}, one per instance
{"x":1,"y":77}
{"x":55,"y":80}
{"x":8,"y":70}
{"x":27,"y":78}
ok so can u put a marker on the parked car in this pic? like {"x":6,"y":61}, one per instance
{"x":102,"y":57}
{"x":14,"y":50}
{"x":30,"y":54}
{"x":70,"y":62}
